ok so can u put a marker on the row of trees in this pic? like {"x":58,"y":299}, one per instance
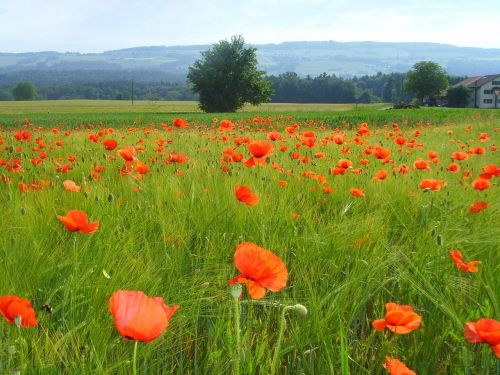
{"x":287,"y":87}
{"x":226,"y":77}
{"x":114,"y":90}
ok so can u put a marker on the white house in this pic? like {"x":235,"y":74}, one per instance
{"x":484,"y":91}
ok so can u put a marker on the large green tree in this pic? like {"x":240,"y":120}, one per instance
{"x":458,"y":96}
{"x":426,"y":80}
{"x":24,"y":91}
{"x":226,"y":77}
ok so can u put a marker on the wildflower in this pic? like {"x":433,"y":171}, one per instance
{"x":71,"y":186}
{"x":110,"y":144}
{"x":260,"y":150}
{"x":396,"y":367}
{"x":477,"y":207}
{"x":432,"y":184}
{"x":456,"y":256}
{"x":245,"y":195}
{"x":481,"y":184}
{"x":127,"y":153}
{"x":260,"y":269}
{"x":76,"y":220}
{"x":399,"y":319}
{"x":484,"y":330}
{"x":357,"y":192}
{"x":459,"y":156}
{"x":12,"y":307}
{"x":421,"y":164}
{"x":139,"y":317}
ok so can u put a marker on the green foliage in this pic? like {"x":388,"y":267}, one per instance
{"x":426,"y":79}
{"x":24,"y":91}
{"x":176,"y":237}
{"x":226,"y":77}
{"x":5,"y":94}
{"x":458,"y":96}
{"x":290,"y":88}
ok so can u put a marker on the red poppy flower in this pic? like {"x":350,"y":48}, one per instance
{"x":178,"y":158}
{"x":142,"y":168}
{"x":71,"y":186}
{"x":245,"y":195}
{"x":344,"y":163}
{"x":357,"y":192}
{"x":399,"y":319}
{"x":180,"y":123}
{"x":76,"y":220}
{"x":453,"y":168}
{"x":421,"y":164}
{"x":13,"y":306}
{"x":226,"y":125}
{"x":110,"y":144}
{"x":138,"y":316}
{"x":400,"y":140}
{"x":260,"y":150}
{"x":477,"y":207}
{"x":456,"y":255}
{"x":381,"y":174}
{"x":260,"y":269}
{"x":481,"y":184}
{"x":432,"y":184}
{"x":490,"y":170}
{"x":396,"y":367}
{"x":127,"y":153}
{"x":381,"y":153}
{"x":273,"y":136}
{"x":484,"y":330}
{"x":459,"y":156}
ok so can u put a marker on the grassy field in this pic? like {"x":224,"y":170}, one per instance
{"x":113,"y":106}
{"x":172,"y":232}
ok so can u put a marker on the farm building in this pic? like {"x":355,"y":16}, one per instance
{"x":484,"y":91}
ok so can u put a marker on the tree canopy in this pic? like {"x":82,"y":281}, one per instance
{"x":426,"y":79}
{"x":24,"y":91}
{"x":226,"y":77}
{"x":458,"y":96}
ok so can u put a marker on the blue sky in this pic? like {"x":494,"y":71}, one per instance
{"x":99,"y":25}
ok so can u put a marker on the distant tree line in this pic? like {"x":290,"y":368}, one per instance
{"x":288,"y":87}
{"x":108,"y":90}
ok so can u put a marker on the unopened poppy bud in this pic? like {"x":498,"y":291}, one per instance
{"x":301,"y":309}
{"x":439,"y":240}
{"x":236,"y":290}
{"x":18,"y":320}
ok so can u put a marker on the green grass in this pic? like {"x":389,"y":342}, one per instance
{"x":175,"y":238}
{"x":113,"y":106}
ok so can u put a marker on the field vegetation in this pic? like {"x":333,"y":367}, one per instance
{"x":363,"y":207}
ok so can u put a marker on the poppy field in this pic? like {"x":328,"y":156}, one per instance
{"x":276,"y":243}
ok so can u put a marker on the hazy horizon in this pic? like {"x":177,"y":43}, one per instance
{"x":92,"y":26}
{"x":257,"y":44}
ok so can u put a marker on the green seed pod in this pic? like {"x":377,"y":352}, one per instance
{"x":439,"y":240}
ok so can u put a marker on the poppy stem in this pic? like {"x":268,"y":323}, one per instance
{"x":237,"y":360}
{"x":277,"y":350}
{"x":134,"y":359}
